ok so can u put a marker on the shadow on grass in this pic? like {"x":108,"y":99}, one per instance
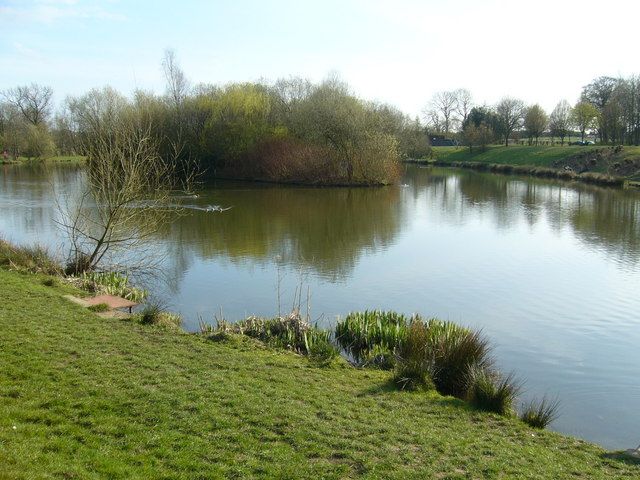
{"x":390,"y":386}
{"x":622,"y":457}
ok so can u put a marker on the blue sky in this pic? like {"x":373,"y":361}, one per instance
{"x":399,"y":52}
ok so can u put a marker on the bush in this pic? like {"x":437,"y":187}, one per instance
{"x":492,"y":392}
{"x":539,"y":414}
{"x":49,"y":282}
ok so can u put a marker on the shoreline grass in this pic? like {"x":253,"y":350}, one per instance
{"x":86,"y":397}
{"x":601,"y":165}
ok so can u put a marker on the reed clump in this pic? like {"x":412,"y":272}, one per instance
{"x":109,"y":283}
{"x":372,"y":336}
{"x":153,"y":314}
{"x":492,"y":392}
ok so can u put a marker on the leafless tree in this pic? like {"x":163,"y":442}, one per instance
{"x":510,"y":113}
{"x":129,"y":186}
{"x":464,"y":104}
{"x":177,"y":83}
{"x":33,"y":101}
{"x":441,"y":109}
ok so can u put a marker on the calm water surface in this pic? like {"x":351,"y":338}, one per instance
{"x":549,"y":270}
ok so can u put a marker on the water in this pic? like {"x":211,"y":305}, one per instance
{"x":549,"y":270}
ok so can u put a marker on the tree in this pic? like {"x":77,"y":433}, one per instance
{"x":480,"y":135}
{"x":510,"y":113}
{"x":584,"y":116}
{"x":559,"y":120}
{"x":129,"y":184}
{"x":33,"y":101}
{"x":535,"y":122}
{"x":442,"y":108}
{"x":464,"y":104}
{"x":177,"y":83}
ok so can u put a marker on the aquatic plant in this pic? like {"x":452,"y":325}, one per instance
{"x":371,"y":334}
{"x":540,"y":413}
{"x":110,"y":283}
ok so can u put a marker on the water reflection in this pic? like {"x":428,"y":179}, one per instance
{"x":326,"y":230}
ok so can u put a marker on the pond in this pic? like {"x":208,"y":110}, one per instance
{"x":548,"y":270}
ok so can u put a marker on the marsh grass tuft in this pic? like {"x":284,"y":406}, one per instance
{"x":415,"y":365}
{"x":153,"y":314}
{"x":492,"y":392}
{"x":540,"y":413}
{"x":31,"y":259}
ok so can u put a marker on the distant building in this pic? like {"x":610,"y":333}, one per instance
{"x":441,"y":141}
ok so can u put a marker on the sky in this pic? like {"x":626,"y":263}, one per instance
{"x":399,"y":52}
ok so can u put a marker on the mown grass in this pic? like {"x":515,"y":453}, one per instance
{"x":541,"y":156}
{"x":85,"y":397}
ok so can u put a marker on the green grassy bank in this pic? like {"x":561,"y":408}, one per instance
{"x":54,"y":159}
{"x":595,"y":164}
{"x":86,"y":397}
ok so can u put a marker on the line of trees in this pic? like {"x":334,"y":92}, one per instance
{"x":608,"y":107}
{"x":290,"y":130}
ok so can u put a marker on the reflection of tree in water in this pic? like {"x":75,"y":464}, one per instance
{"x":600,"y":217}
{"x":325,"y":229}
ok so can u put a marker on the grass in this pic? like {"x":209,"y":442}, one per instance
{"x":32,"y":259}
{"x":591,"y":164}
{"x":154,"y":315}
{"x":55,"y":159}
{"x":85,"y":397}
{"x":540,"y":413}
{"x":99,"y":307}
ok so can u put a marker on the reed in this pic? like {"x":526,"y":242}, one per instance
{"x":492,"y":392}
{"x":371,"y":337}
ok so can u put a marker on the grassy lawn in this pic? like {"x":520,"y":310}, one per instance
{"x":85,"y":397}
{"x":515,"y":155}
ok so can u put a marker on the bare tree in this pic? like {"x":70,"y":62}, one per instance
{"x":177,"y":83}
{"x":442,"y":108}
{"x":464,"y":104}
{"x":129,"y":187}
{"x":559,"y":120}
{"x":33,"y":101}
{"x":510,"y":113}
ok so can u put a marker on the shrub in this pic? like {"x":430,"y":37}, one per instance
{"x":540,"y":413}
{"x":49,"y":282}
{"x":492,"y":392}
{"x":371,"y":334}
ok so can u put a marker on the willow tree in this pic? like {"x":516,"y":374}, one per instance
{"x":129,"y":185}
